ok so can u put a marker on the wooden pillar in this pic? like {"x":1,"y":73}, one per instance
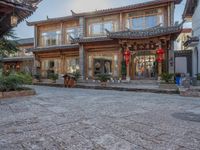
{"x":62,"y":63}
{"x":160,"y":63}
{"x":121,"y":25}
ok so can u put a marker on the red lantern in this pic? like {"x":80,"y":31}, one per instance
{"x":127,"y":55}
{"x":160,"y":53}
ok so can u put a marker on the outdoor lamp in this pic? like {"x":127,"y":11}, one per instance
{"x":14,"y":20}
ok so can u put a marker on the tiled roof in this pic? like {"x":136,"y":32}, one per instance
{"x":91,"y":39}
{"x":189,"y":8}
{"x":190,"y":40}
{"x":125,"y":8}
{"x":53,"y":48}
{"x":11,"y":59}
{"x":23,"y":9}
{"x":147,"y":33}
{"x":51,"y":20}
{"x":104,"y":11}
{"x":25,"y":41}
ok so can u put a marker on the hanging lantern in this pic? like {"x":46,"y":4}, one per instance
{"x":160,"y":52}
{"x":14,"y":20}
{"x":127,"y":55}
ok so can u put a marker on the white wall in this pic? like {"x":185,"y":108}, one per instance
{"x":196,"y":30}
{"x":181,"y":65}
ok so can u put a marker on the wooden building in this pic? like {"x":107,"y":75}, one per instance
{"x":22,"y":60}
{"x":124,"y":42}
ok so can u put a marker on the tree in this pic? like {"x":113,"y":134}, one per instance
{"x":8,"y":46}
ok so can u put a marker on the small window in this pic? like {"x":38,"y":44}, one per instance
{"x":72,"y":32}
{"x":96,"y":29}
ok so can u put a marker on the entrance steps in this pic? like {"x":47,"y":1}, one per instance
{"x":133,"y":82}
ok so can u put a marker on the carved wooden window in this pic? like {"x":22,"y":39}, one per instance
{"x":72,"y":32}
{"x":72,"y":65}
{"x":51,"y":38}
{"x":147,"y":19}
{"x":96,"y":29}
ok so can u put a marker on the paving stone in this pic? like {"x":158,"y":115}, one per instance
{"x":81,"y":119}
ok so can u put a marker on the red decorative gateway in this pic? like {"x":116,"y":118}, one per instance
{"x":127,"y":55}
{"x":160,"y":53}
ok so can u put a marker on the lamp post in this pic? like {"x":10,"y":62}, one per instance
{"x":127,"y":55}
{"x":160,"y":53}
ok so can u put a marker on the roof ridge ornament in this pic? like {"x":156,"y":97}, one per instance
{"x":73,"y":13}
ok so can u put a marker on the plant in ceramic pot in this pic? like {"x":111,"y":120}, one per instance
{"x":76,"y":75}
{"x":198,"y":79}
{"x":103,"y":78}
{"x":168,"y":81}
{"x":53,"y":77}
{"x":167,"y":77}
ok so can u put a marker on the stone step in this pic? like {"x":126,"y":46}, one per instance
{"x":136,"y":82}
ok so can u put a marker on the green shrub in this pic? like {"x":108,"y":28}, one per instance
{"x":37,"y":76}
{"x":52,"y":76}
{"x":10,"y":83}
{"x":103,"y":77}
{"x":76,"y":75}
{"x":198,"y":76}
{"x":25,"y":77}
{"x":167,"y":77}
{"x":14,"y":81}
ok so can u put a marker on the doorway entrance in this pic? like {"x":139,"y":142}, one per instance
{"x":144,"y":66}
{"x":102,"y":66}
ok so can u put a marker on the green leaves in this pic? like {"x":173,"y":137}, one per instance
{"x":167,"y":77}
{"x":14,"y":81}
{"x":8,"y":46}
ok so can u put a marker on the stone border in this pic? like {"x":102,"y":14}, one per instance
{"x":12,"y":94}
{"x":98,"y":87}
{"x":189,"y":92}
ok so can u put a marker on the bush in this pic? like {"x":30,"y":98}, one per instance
{"x":167,"y":77}
{"x":12,"y":82}
{"x":25,"y":77}
{"x":198,"y":76}
{"x":37,"y":76}
{"x":103,"y":77}
{"x":76,"y":75}
{"x":52,"y":76}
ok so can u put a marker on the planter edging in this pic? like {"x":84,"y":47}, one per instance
{"x":12,"y":94}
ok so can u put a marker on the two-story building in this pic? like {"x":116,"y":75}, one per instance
{"x":191,"y":13}
{"x":124,"y":42}
{"x":182,"y":38}
{"x":22,"y":60}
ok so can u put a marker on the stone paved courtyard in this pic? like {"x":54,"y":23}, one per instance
{"x":80,"y":119}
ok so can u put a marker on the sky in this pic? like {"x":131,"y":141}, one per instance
{"x":60,"y":8}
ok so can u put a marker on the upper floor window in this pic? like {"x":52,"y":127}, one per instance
{"x":99,"y":28}
{"x":144,"y":20}
{"x":51,"y":38}
{"x":72,"y":32}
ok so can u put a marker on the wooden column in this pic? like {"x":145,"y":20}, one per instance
{"x":160,"y":63}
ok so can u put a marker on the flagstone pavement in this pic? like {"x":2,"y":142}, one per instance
{"x":83,"y":119}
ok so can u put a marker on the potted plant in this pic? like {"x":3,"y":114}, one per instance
{"x":198,"y":79}
{"x":103,"y":78}
{"x":76,"y":75}
{"x":37,"y":77}
{"x":53,"y":77}
{"x":167,"y":81}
